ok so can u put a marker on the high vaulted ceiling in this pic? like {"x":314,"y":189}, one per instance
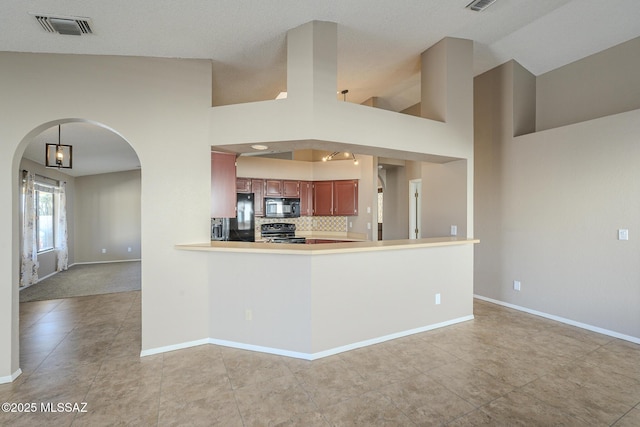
{"x":379,"y":41}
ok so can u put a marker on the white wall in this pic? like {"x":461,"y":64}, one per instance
{"x":548,"y":207}
{"x":156,"y":105}
{"x":444,"y":198}
{"x":107,"y":213}
{"x":337,"y":299}
{"x":599,"y":85}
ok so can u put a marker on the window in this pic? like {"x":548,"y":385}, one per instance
{"x":44,"y":217}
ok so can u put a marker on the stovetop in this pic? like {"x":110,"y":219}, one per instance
{"x":280,"y":228}
{"x":280,"y":232}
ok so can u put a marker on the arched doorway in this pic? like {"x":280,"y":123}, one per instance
{"x":102,"y":159}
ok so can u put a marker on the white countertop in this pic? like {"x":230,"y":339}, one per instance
{"x":324,"y":248}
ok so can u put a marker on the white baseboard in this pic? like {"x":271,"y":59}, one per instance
{"x":300,"y":355}
{"x":10,"y":378}
{"x":173,"y":347}
{"x":105,"y":262}
{"x":586,"y":326}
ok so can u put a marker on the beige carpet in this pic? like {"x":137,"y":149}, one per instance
{"x":86,"y":279}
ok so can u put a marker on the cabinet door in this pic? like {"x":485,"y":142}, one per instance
{"x":243,"y":185}
{"x":345,"y":197}
{"x":223,"y":185}
{"x":257,"y":188}
{"x":306,"y":198}
{"x":290,"y":188}
{"x":323,"y":198}
{"x":273,"y":188}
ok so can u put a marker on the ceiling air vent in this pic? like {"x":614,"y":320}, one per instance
{"x":480,"y":5}
{"x":70,"y":25}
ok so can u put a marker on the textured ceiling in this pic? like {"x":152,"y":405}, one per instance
{"x":379,"y":41}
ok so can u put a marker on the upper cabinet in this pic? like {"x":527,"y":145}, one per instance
{"x":243,"y":185}
{"x":281,"y":188}
{"x":290,"y":188}
{"x":223,"y":185}
{"x":319,"y":198}
{"x":323,"y":198}
{"x":338,"y":198}
{"x":255,"y":186}
{"x":345,"y":197}
{"x":273,"y":188}
{"x":306,"y":198}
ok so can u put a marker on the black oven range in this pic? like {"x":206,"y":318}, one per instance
{"x":280,"y":232}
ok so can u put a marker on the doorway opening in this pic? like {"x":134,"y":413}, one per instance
{"x":103,"y":232}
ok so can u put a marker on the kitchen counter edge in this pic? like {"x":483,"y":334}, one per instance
{"x":324,"y":248}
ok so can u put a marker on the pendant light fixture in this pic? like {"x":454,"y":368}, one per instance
{"x":59,"y":155}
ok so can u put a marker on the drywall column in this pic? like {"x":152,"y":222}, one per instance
{"x":312,"y":66}
{"x":504,"y":100}
{"x":447,"y":84}
{"x":447,"y":96}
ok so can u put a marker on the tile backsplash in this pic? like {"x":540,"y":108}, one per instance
{"x":309,"y":223}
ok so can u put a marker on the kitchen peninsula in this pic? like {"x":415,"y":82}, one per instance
{"x":312,"y":301}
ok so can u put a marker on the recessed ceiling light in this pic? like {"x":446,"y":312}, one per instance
{"x":259,"y":147}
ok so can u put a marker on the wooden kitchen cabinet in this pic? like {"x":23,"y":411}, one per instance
{"x":306,"y":198}
{"x":345,"y":197}
{"x":272,"y":188}
{"x":281,"y":188}
{"x":223,"y":185}
{"x":323,"y":198}
{"x":243,"y":185}
{"x":257,"y":188}
{"x":338,"y":198}
{"x":290,"y":188}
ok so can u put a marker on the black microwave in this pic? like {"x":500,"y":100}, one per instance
{"x":281,"y":207}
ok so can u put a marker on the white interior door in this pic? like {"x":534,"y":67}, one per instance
{"x":415,"y":203}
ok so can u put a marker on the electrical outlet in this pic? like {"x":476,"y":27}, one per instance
{"x":104,"y":251}
{"x":623,"y":234}
{"x":516,"y":285}
{"x":454,"y":230}
{"x":437,"y":299}
{"x":128,"y":249}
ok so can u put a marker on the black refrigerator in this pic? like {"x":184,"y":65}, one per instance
{"x":242,"y":227}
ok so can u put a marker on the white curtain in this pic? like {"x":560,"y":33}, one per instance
{"x":61,"y":247}
{"x":29,"y":264}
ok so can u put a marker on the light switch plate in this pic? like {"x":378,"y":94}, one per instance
{"x":623,"y":234}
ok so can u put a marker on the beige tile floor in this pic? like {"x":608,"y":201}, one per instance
{"x":504,"y":368}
